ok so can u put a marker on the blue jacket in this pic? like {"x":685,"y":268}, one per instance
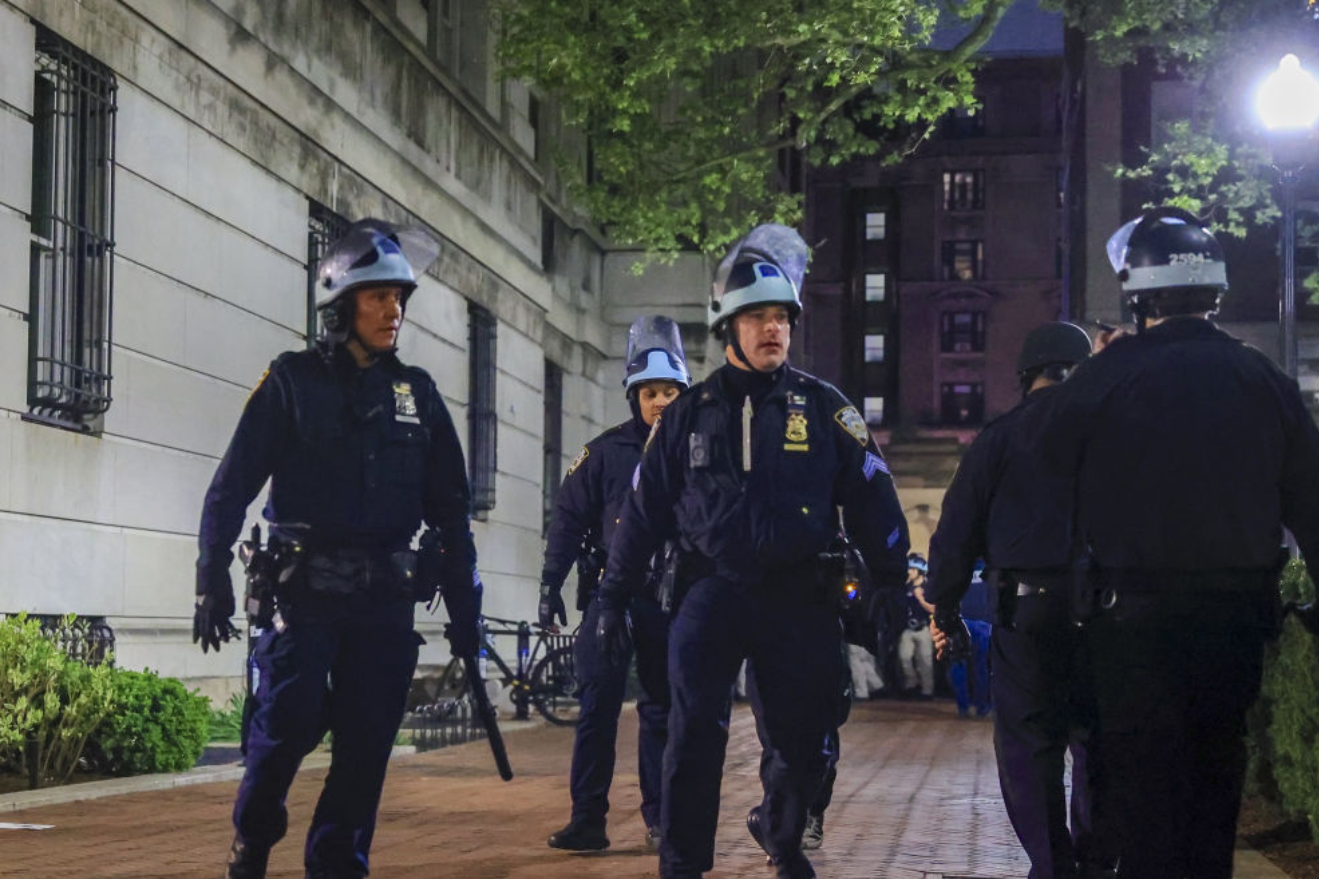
{"x":811,"y":453}
{"x":588,"y":504}
{"x":358,"y":456}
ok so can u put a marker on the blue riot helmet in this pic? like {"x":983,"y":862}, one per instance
{"x":1168,"y":263}
{"x":764,"y":268}
{"x":916,"y":562}
{"x":371,"y":253}
{"x":655,"y":353}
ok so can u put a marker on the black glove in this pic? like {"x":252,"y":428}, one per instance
{"x":551,"y":605}
{"x":215,"y":606}
{"x":949,"y":621}
{"x":1307,"y":614}
{"x":463,"y":602}
{"x":611,"y":634}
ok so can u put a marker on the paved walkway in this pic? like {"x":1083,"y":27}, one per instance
{"x":917,"y":798}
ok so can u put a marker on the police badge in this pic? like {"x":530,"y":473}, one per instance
{"x":405,"y":405}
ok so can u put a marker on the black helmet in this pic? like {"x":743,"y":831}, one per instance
{"x":1053,"y":343}
{"x":1166,"y":248}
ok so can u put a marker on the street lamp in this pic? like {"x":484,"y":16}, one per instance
{"x":1288,"y":105}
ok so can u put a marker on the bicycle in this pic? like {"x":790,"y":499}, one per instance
{"x":547,"y":679}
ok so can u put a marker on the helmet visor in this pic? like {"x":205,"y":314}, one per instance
{"x":1117,"y":244}
{"x":655,"y":334}
{"x":772,"y":243}
{"x":367,"y":240}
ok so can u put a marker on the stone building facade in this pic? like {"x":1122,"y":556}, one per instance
{"x":170,"y":170}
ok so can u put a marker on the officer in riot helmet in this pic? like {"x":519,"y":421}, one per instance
{"x":1191,"y":451}
{"x":359,"y":450}
{"x":747,"y":471}
{"x":585,"y":513}
{"x":1004,"y":507}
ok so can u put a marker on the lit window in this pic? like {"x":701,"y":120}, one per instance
{"x":963,"y":190}
{"x":876,"y":225}
{"x":963,"y":260}
{"x":874,"y":409}
{"x":874,"y":347}
{"x":875,"y":283}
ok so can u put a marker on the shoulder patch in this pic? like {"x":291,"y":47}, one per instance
{"x":577,"y":462}
{"x":851,"y":421}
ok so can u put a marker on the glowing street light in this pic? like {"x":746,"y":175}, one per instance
{"x":1288,"y":105}
{"x":1288,"y":100}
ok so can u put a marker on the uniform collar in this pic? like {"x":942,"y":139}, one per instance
{"x":1184,"y":328}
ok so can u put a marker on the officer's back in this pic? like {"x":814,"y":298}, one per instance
{"x":1190,"y":447}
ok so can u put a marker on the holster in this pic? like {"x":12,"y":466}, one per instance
{"x":1005,"y":591}
{"x":590,"y":567}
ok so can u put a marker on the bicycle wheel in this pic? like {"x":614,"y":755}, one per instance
{"x":554,"y":688}
{"x":454,"y":680}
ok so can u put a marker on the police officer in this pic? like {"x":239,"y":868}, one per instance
{"x":359,"y":449}
{"x":1191,"y":452}
{"x":1004,"y":506}
{"x":747,"y":470}
{"x":585,"y":514}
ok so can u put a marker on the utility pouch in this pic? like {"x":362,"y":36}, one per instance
{"x":337,"y":574}
{"x":403,"y":568}
{"x":1005,"y":608}
{"x":590,"y":567}
{"x":1086,"y":588}
{"x":666,"y":578}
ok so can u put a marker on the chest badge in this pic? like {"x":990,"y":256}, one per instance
{"x":405,"y":405}
{"x":796,"y":432}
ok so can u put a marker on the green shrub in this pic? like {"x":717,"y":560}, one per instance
{"x":47,"y":698}
{"x":1285,"y":722}
{"x":156,"y":726}
{"x":226,"y":724}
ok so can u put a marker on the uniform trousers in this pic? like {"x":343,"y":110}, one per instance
{"x":342,"y":663}
{"x":1174,"y":681}
{"x":1044,"y":706}
{"x":792,"y":638}
{"x":602,"y":689}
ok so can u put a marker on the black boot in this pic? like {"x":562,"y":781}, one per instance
{"x":758,"y":833}
{"x":246,"y":862}
{"x":794,"y":866}
{"x":580,"y":838}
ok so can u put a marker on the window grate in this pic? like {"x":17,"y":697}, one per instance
{"x":72,"y":235}
{"x":324,"y":227}
{"x":482,"y":416}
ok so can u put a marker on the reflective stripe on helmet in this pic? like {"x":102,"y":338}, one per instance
{"x":1205,"y":273}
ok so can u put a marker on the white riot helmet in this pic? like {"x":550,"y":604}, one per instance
{"x":764,"y":268}
{"x":371,"y":253}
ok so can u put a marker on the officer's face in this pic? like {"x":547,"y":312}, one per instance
{"x":764,"y":334}
{"x":652,"y":397}
{"x":378,"y":316}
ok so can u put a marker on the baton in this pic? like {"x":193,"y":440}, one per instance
{"x":486,"y":712}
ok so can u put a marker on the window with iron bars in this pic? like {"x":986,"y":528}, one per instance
{"x":552,"y":468}
{"x":482,"y":416}
{"x":964,"y":190}
{"x":72,"y":236}
{"x":324,"y":227}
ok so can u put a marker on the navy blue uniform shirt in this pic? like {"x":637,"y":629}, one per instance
{"x":591,"y":497}
{"x":1191,"y":449}
{"x":359,"y":456}
{"x":811,"y":453}
{"x":1003,"y":505}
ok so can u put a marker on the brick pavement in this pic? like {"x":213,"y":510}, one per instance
{"x":917,"y":796}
